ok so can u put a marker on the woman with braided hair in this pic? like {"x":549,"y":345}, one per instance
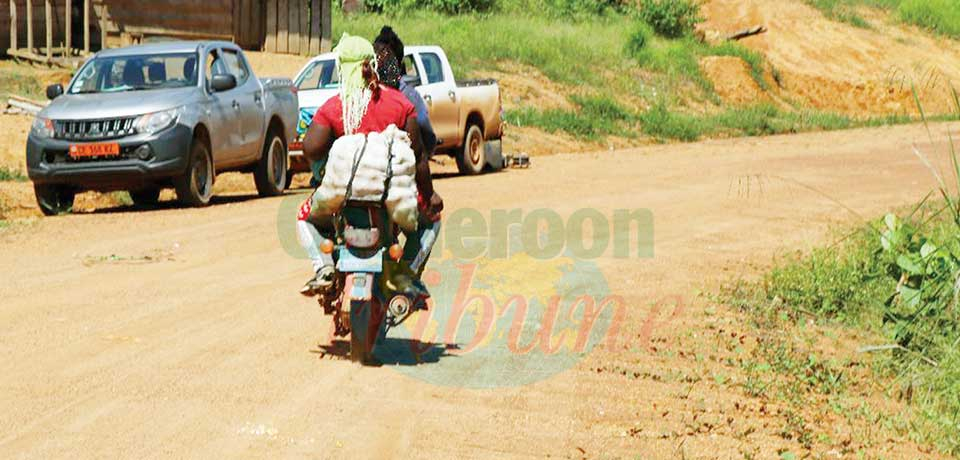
{"x":362,"y":106}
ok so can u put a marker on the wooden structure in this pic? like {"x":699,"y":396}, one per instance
{"x":58,"y":46}
{"x":73,"y":28}
{"x":297,"y":26}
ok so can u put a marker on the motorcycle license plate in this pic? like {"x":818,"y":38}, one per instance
{"x":349,"y":262}
{"x":360,"y":286}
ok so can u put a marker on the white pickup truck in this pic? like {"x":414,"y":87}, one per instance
{"x":466,"y":115}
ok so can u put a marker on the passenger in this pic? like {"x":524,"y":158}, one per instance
{"x":391,"y":69}
{"x":362,"y":106}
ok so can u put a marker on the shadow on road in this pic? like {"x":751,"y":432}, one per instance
{"x":172,"y":204}
{"x":393,"y":351}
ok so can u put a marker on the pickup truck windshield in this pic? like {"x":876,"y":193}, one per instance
{"x":136,"y":73}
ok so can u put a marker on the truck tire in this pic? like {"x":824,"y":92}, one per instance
{"x":54,"y":199}
{"x":195,"y":186}
{"x":472,"y":158}
{"x":271,"y":173}
{"x":146,"y":198}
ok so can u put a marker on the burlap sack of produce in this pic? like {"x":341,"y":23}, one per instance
{"x":370,"y":178}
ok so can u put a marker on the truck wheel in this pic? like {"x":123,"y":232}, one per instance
{"x":471,"y":159}
{"x":54,"y":199}
{"x":147,"y":197}
{"x":271,"y":173}
{"x":195,"y":187}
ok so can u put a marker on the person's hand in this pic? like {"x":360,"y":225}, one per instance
{"x":434,"y":207}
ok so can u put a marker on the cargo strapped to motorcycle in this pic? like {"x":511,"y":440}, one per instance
{"x":357,"y":158}
{"x":340,"y":225}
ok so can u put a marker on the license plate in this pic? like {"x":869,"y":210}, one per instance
{"x":351,"y":263}
{"x":360,"y":286}
{"x":94,"y":150}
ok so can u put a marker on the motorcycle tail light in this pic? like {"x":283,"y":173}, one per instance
{"x":326,"y":247}
{"x":396,"y":251}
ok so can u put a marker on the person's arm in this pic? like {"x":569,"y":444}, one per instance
{"x":423,"y":177}
{"x":317,"y":142}
{"x":427,"y":136}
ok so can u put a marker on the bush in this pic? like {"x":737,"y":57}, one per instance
{"x":671,"y":18}
{"x":639,"y":39}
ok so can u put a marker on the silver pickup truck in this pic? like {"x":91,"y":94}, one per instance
{"x":466,"y":115}
{"x":152,"y":116}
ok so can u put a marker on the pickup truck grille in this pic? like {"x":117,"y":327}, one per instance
{"x":86,"y":130}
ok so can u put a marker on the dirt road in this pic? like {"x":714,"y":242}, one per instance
{"x":179,"y":333}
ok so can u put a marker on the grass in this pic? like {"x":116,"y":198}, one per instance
{"x":595,"y":118}
{"x":473,"y":43}
{"x":896,"y":279}
{"x":849,"y":284}
{"x":940,"y":16}
{"x":20,"y":80}
{"x":600,"y":52}
{"x":9,"y":174}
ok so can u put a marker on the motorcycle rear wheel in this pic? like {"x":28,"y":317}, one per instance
{"x":366,"y":327}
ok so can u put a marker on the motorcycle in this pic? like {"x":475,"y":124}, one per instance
{"x":363,"y":302}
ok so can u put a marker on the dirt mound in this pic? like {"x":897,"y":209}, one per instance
{"x":834,"y":66}
{"x":732,"y":81}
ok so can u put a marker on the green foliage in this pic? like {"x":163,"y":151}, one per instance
{"x":581,"y":8}
{"x":841,"y":10}
{"x":661,"y":123}
{"x":8,"y":174}
{"x":452,"y":7}
{"x":830,"y":283}
{"x":571,"y":52}
{"x":671,"y":18}
{"x":596,"y":117}
{"x":14,"y":80}
{"x":638,"y":40}
{"x":753,"y":59}
{"x":941,"y":16}
{"x":757,"y":120}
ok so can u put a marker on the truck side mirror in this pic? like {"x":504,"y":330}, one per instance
{"x":54,"y":91}
{"x":223,"y":82}
{"x":411,"y":80}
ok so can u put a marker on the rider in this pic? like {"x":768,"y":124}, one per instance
{"x":362,"y":106}
{"x":391,"y":69}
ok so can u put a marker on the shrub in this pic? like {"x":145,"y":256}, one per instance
{"x":671,"y":18}
{"x":639,"y":39}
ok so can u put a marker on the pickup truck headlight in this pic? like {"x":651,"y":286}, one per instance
{"x":42,"y":128}
{"x":157,"y":121}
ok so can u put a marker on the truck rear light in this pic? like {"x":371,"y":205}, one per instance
{"x":293,"y":89}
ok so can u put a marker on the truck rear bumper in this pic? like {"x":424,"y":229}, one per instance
{"x":48,"y":162}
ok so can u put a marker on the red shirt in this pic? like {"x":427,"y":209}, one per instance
{"x":387,"y":107}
